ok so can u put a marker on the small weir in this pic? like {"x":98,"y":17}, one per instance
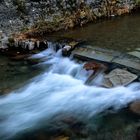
{"x":58,"y":97}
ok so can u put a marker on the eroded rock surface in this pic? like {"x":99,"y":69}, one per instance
{"x":119,"y":77}
{"x":53,"y":15}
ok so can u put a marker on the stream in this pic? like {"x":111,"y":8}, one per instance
{"x":49,"y":100}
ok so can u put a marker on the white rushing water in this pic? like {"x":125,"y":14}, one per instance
{"x":60,"y":89}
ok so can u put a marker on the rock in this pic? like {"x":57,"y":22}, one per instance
{"x":4,"y":43}
{"x":92,"y":53}
{"x":1,"y":35}
{"x":19,"y":57}
{"x":6,"y":90}
{"x":127,"y":60}
{"x":135,"y":107}
{"x":118,"y":77}
{"x":66,"y":51}
{"x":135,"y":53}
{"x":61,"y":138}
{"x":94,"y":66}
{"x":97,"y":70}
{"x":123,"y":10}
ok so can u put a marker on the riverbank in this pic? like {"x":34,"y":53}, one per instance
{"x":33,"y":19}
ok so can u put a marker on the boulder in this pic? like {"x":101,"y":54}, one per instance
{"x":61,"y":138}
{"x":135,"y":107}
{"x":118,"y":77}
{"x":66,"y":51}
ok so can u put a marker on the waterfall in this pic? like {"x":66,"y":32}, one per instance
{"x":60,"y":89}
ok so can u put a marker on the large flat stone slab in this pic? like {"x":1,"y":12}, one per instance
{"x":135,"y":53}
{"x":108,"y":56}
{"x":118,"y":77}
{"x":95,"y":54}
{"x":128,"y":61}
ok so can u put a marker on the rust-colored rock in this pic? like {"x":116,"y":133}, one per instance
{"x":94,"y":66}
{"x":97,"y":69}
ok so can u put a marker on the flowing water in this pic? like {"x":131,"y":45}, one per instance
{"x":57,"y":102}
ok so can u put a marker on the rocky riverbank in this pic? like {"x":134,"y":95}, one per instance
{"x":34,"y":18}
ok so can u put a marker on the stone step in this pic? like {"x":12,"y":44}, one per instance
{"x":135,"y":53}
{"x":107,"y":56}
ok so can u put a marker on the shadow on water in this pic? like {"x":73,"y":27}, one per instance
{"x":14,"y":74}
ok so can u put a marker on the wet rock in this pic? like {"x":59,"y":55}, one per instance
{"x":97,"y":69}
{"x":135,"y":107}
{"x":62,"y":138}
{"x":135,"y":53}
{"x":3,"y":43}
{"x":127,"y":60}
{"x":119,"y":77}
{"x":5,"y":90}
{"x":113,"y":58}
{"x":42,"y":44}
{"x":19,"y":57}
{"x":94,"y":66}
{"x":25,"y":44}
{"x":66,"y":50}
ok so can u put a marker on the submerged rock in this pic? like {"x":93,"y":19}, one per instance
{"x":19,"y":57}
{"x":62,"y":138}
{"x":135,"y":107}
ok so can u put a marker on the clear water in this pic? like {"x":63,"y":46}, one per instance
{"x":14,"y":74}
{"x":119,"y":33}
{"x":58,"y":103}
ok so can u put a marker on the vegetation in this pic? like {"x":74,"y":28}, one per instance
{"x":21,"y":7}
{"x":138,"y":1}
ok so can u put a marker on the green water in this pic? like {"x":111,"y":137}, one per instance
{"x":14,"y":74}
{"x":119,"y":33}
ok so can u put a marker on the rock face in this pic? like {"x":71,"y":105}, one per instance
{"x":54,"y":15}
